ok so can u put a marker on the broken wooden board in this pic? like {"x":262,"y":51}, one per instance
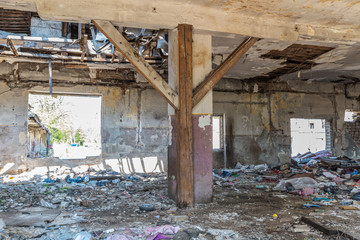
{"x":325,"y":230}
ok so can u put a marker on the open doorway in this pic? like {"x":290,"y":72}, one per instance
{"x":67,"y":126}
{"x":309,"y":135}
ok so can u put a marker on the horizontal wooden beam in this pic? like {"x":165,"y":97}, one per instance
{"x":143,"y":67}
{"x":216,"y":75}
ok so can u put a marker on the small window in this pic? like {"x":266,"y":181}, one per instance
{"x":312,"y":125}
{"x":218,"y":136}
{"x":351,"y":116}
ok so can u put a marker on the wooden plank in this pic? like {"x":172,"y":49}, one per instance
{"x":184,"y":141}
{"x":41,"y":39}
{"x":143,"y":67}
{"x":12,"y":47}
{"x":327,"y":231}
{"x":216,"y":75}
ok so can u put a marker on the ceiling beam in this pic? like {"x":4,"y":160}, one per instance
{"x":217,"y":74}
{"x":276,"y":21}
{"x":143,"y":67}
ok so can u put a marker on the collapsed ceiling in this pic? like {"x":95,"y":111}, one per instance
{"x":325,"y":47}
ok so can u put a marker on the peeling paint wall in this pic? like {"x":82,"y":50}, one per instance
{"x":258,"y":117}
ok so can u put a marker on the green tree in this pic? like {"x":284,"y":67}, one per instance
{"x":79,"y":137}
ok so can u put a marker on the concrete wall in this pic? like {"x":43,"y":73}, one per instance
{"x":134,"y":128}
{"x":258,"y":118}
{"x":13,"y":125}
{"x":135,"y":118}
{"x":41,"y":28}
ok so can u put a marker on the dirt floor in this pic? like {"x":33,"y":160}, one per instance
{"x":243,"y":207}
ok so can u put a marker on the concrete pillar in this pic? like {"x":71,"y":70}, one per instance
{"x":202,"y":118}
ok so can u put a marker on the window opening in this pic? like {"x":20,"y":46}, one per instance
{"x":64,"y":126}
{"x":309,"y":135}
{"x":218,"y":133}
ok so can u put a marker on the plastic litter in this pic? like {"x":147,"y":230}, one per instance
{"x":83,"y":236}
{"x":79,"y":179}
{"x":297,"y":183}
{"x":147,"y":207}
{"x":261,"y":167}
{"x":307,"y":191}
{"x":161,"y":236}
{"x":311,"y":205}
{"x":48,"y":180}
{"x":117,"y":237}
{"x":318,"y":199}
{"x":46,"y":204}
{"x":356,"y":196}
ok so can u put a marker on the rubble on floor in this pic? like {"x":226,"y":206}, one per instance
{"x":249,"y":202}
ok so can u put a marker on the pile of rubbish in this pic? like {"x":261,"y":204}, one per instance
{"x":43,"y":206}
{"x":326,"y":180}
{"x":325,"y":159}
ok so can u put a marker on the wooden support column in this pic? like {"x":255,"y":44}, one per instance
{"x":184,"y":138}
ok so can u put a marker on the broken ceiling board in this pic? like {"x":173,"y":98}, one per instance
{"x":298,"y":53}
{"x":15,"y":21}
{"x":297,"y":57}
{"x":142,"y":66}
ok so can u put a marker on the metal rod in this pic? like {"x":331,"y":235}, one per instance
{"x":79,"y":30}
{"x":224,"y":140}
{"x":50,"y":77}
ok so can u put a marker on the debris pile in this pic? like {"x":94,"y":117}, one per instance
{"x":250,"y":201}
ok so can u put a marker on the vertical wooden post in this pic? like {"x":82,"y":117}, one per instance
{"x":184,"y":140}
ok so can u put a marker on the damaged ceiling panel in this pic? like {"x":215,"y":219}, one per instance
{"x":15,"y":21}
{"x":279,"y":60}
{"x":268,"y":59}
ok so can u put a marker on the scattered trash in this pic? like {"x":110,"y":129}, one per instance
{"x":46,"y":204}
{"x":175,"y":218}
{"x":301,"y":228}
{"x":307,"y":191}
{"x":311,"y":205}
{"x":297,"y":184}
{"x":104,"y":204}
{"x":356,"y":196}
{"x":318,"y":199}
{"x":83,"y":236}
{"x":349,"y":208}
{"x":48,"y":180}
{"x":147,"y":207}
{"x":79,"y":179}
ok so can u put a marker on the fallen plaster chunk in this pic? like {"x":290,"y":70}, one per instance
{"x":301,"y":228}
{"x":180,"y":218}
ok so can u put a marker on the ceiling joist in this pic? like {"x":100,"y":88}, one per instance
{"x":143,"y":67}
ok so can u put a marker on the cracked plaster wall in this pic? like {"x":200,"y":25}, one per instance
{"x":125,"y":133}
{"x":135,"y":118}
{"x":258,"y":117}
